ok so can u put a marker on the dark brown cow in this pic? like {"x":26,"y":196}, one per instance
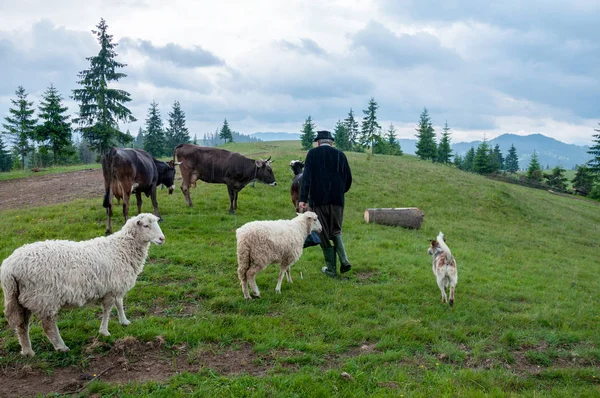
{"x":219,"y":166}
{"x":297,"y":167}
{"x":128,"y":171}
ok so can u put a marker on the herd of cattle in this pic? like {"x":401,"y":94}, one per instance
{"x":127,"y":171}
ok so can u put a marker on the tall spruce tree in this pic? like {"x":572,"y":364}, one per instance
{"x":444,"y":150}
{"x":341,"y":136}
{"x":5,"y":158}
{"x":20,"y":126}
{"x":225,"y":132}
{"x":154,"y":139}
{"x":54,"y":133}
{"x":583,"y":180}
{"x":352,"y":127}
{"x":101,"y":107}
{"x":534,"y":170}
{"x":469,"y":161}
{"x":370,"y":128}
{"x":308,"y":133}
{"x":511,"y":163}
{"x":594,"y":164}
{"x":426,"y":145}
{"x":176,"y":133}
{"x":556,"y":179}
{"x":496,"y":159}
{"x":481,"y":162}
{"x":139,"y":139}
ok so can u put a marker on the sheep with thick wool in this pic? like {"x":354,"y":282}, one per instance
{"x":41,"y":278}
{"x":260,"y":243}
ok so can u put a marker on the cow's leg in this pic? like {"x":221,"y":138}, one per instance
{"x":23,"y":333}
{"x":138,"y":198}
{"x":230,"y":190}
{"x":109,"y":214}
{"x":155,"y":202}
{"x":126,"y":196}
{"x":186,"y":183}
{"x":51,"y":330}
{"x":235,"y":197}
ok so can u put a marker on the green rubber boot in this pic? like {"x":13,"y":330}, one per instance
{"x":330,"y":268}
{"x":345,"y":265}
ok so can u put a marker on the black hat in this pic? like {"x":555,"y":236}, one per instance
{"x":323,"y":135}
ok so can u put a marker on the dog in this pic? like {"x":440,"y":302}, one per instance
{"x":444,"y":267}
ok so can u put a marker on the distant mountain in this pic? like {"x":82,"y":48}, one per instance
{"x":550,"y":152}
{"x":280,"y":136}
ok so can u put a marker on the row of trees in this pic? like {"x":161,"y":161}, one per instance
{"x":160,"y":141}
{"x":348,"y":137}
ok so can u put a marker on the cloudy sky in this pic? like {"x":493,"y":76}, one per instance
{"x":488,"y":68}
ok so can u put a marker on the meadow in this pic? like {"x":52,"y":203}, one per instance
{"x":525,"y":321}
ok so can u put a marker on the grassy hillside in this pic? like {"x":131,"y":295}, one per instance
{"x":525,"y":321}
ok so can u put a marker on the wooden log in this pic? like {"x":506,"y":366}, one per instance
{"x":407,"y":217}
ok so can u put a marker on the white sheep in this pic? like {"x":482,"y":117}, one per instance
{"x":260,"y":243}
{"x":43,"y":277}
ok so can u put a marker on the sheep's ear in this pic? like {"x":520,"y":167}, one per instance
{"x":298,"y":214}
{"x":139,"y":222}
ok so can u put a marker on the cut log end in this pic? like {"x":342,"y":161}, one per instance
{"x":407,"y":217}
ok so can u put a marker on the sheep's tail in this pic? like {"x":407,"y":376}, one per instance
{"x":13,"y":310}
{"x":107,"y":170}
{"x":243,"y":257}
{"x":445,"y":248}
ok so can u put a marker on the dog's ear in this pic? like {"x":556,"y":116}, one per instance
{"x":433,"y":242}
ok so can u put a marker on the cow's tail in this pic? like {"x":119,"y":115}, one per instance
{"x":107,"y":170}
{"x":13,"y":310}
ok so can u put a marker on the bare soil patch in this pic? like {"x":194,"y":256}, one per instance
{"x":51,"y":189}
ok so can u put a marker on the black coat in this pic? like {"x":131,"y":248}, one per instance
{"x":326,"y":177}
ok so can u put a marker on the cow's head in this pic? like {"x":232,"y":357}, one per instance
{"x":297,"y":166}
{"x":169,"y":179}
{"x":264,"y":172}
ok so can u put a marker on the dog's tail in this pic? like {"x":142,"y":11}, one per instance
{"x":445,"y":248}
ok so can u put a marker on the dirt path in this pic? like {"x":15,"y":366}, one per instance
{"x":51,"y":189}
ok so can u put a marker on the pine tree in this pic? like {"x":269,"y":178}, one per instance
{"x":5,"y":158}
{"x":469,"y":161}
{"x":370,"y":129}
{"x":308,"y":133}
{"x":177,"y":133}
{"x":496,"y":159}
{"x":20,"y":127}
{"x":389,"y":145}
{"x":583,"y":180}
{"x":511,"y":163}
{"x":55,"y":133}
{"x":444,"y":150}
{"x":225,"y":132}
{"x":426,"y":146}
{"x":556,"y":179}
{"x":352,"y":127}
{"x":341,"y":137}
{"x":154,"y":139}
{"x":101,"y":107}
{"x":195,"y":142}
{"x":594,"y":164}
{"x":139,"y":139}
{"x":458,"y":162}
{"x":534,"y":170}
{"x":481,"y":162}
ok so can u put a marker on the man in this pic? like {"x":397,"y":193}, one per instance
{"x":326,"y":179}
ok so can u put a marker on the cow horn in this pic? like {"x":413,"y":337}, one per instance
{"x":268,"y":159}
{"x":178,"y":163}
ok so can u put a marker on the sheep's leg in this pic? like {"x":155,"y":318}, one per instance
{"x":107,"y":304}
{"x":251,"y":275}
{"x":243,"y":281}
{"x":284,"y":270}
{"x":51,"y":330}
{"x":122,"y":318}
{"x":441,"y":283}
{"x":23,"y":333}
{"x":138,"y":198}
{"x":288,"y":275}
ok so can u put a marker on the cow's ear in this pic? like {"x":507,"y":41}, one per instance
{"x":171,"y":163}
{"x":260,"y":163}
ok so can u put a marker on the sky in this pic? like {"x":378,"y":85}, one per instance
{"x":485,"y":68}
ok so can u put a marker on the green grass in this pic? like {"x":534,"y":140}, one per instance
{"x":525,"y":322}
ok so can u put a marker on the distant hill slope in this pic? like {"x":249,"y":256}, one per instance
{"x":550,"y":152}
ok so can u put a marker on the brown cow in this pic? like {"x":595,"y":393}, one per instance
{"x":128,"y":171}
{"x":219,"y":166}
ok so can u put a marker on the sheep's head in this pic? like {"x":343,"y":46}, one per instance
{"x":147,"y":229}
{"x":312,"y":222}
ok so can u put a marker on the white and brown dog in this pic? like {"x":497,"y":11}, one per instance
{"x":444,"y":267}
